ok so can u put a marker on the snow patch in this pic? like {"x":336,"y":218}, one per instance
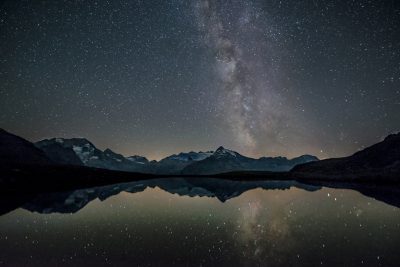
{"x":83,"y":152}
{"x":195,"y":156}
{"x":222,"y":151}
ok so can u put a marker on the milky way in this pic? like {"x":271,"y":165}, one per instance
{"x":153,"y":78}
{"x":250,"y":104}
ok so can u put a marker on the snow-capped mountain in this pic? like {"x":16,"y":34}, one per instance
{"x":174,"y":164}
{"x":79,"y":151}
{"x":75,"y":151}
{"x":222,"y":160}
{"x":19,"y":158}
{"x":222,"y":152}
{"x":138,"y":159}
{"x":225,"y":160}
{"x":190,"y":156}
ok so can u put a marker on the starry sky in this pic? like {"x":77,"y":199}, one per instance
{"x":262,"y":77}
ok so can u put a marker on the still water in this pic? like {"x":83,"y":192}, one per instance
{"x":181,"y":222}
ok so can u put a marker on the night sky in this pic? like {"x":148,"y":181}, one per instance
{"x":153,"y":78}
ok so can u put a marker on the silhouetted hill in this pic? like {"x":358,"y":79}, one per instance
{"x":379,"y":161}
{"x":16,"y":150}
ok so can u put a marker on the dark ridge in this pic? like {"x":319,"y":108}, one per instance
{"x":16,"y":150}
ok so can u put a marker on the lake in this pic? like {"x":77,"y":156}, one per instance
{"x":201,"y":222}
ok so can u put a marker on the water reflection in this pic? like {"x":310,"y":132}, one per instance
{"x":197,"y":222}
{"x":73,"y":201}
{"x":215,"y":188}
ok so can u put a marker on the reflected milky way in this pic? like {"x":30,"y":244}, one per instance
{"x":214,"y":222}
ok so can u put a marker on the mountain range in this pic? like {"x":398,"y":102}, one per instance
{"x":77,"y":162}
{"x":81,"y":152}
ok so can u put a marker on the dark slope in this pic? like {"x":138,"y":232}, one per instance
{"x":379,"y":161}
{"x":60,"y":154}
{"x":16,"y":150}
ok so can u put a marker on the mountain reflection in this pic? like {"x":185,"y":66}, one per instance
{"x":203,"y":222}
{"x":70,"y":202}
{"x":223,"y":190}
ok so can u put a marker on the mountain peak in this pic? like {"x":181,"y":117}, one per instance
{"x":109,"y":151}
{"x":393,"y":136}
{"x":306,"y":157}
{"x":223,"y":151}
{"x":188,"y":156}
{"x":221,"y":148}
{"x":66,"y":142}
